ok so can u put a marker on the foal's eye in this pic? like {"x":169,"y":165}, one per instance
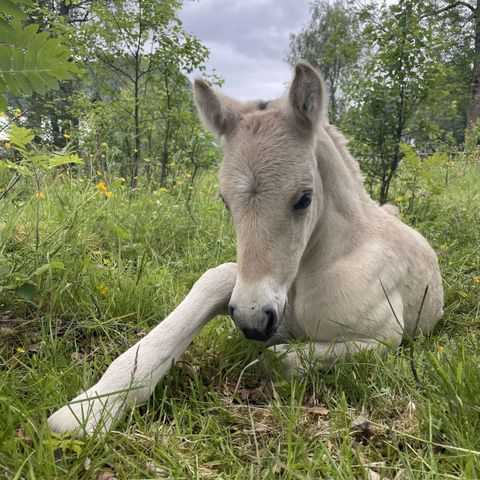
{"x":303,"y":203}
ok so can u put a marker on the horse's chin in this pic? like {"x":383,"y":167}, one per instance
{"x":253,"y":334}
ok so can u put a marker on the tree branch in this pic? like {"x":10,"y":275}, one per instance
{"x":122,"y":31}
{"x":450,"y":6}
{"x":112,"y":65}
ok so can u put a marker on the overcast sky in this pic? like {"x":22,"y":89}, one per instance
{"x":248,"y":41}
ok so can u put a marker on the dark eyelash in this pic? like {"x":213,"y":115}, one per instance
{"x":304,"y":202}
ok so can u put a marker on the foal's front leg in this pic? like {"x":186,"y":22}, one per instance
{"x":297,"y":360}
{"x":132,"y":377}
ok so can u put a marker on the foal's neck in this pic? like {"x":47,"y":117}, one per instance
{"x":344,"y":219}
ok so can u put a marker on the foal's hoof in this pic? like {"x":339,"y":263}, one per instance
{"x":293,"y":361}
{"x":87,"y":414}
{"x":280,"y":362}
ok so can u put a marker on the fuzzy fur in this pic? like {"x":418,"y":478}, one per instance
{"x":342,"y":276}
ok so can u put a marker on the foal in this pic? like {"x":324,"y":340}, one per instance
{"x":317,"y":259}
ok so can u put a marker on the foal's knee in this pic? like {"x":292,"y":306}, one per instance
{"x":227,"y":270}
{"x":216,"y":285}
{"x":222,"y":276}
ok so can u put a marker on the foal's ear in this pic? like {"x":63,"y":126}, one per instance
{"x":306,"y":96}
{"x":219,"y":113}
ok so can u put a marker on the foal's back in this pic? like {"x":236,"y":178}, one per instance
{"x":417,"y":274}
{"x":411,"y":265}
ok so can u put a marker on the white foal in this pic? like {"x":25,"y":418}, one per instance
{"x":318,"y":260}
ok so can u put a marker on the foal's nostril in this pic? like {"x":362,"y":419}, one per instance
{"x":271,"y":320}
{"x":231,"y":310}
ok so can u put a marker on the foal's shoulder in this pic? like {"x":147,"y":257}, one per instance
{"x":391,"y":209}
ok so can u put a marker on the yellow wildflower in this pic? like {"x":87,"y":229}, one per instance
{"x":476,"y":279}
{"x":66,"y":135}
{"x":8,"y":145}
{"x":99,"y":173}
{"x":108,"y":194}
{"x":162,"y":190}
{"x":399,"y":198}
{"x":106,"y":262}
{"x":81,"y":180}
{"x":463,"y":294}
{"x":2,"y":114}
{"x":190,"y":187}
{"x":40,"y":195}
{"x":102,"y":187}
{"x":188,"y":175}
{"x":102,"y":288}
{"x":20,"y":350}
{"x":104,"y":144}
{"x":17,"y":112}
{"x":440,"y":349}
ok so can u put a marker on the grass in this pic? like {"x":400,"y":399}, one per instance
{"x":106,"y":271}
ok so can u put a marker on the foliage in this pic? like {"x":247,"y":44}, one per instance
{"x":30,"y":161}
{"x":27,"y":161}
{"x":173,"y":145}
{"x":396,"y":73}
{"x":29,"y":61}
{"x":133,"y":94}
{"x":403,"y":75}
{"x":87,"y":266}
{"x":332,"y":41}
{"x":454,"y":27}
{"x":423,"y":177}
{"x":128,"y":260}
{"x":141,"y":54}
{"x":472,"y":141}
{"x":460,"y":22}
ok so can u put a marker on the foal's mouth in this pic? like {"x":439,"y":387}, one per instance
{"x":280,"y":320}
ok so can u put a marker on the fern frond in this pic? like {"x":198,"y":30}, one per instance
{"x":30,"y":61}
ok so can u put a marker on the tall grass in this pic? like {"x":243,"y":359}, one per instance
{"x":107,"y":270}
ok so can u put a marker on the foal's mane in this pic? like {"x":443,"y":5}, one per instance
{"x":340,"y":143}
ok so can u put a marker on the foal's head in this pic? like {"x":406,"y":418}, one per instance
{"x":270,"y":184}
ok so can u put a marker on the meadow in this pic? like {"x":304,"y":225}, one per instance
{"x":85,"y":273}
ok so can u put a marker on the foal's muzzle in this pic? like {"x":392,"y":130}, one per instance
{"x":255,"y":323}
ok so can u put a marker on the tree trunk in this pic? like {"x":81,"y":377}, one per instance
{"x":384,"y":188}
{"x":392,"y":168}
{"x":165,"y":156}
{"x":136,"y":143}
{"x":474,"y":103}
{"x":66,"y":120}
{"x":166,"y":139}
{"x":58,"y":140}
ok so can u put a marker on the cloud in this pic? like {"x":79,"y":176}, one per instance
{"x":248,"y":41}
